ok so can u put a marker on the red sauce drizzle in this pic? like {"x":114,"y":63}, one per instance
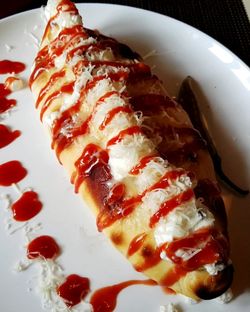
{"x":136,"y":244}
{"x":56,"y":76}
{"x":11,"y":172}
{"x":116,"y":193}
{"x":26,"y":207}
{"x":123,"y":133}
{"x":118,"y":210}
{"x":44,"y":247}
{"x":91,"y":157}
{"x":62,"y":141}
{"x":9,"y":67}
{"x":108,"y":118}
{"x":105,"y":299}
{"x":46,"y":56}
{"x":74,"y":289}
{"x":105,"y":96}
{"x":123,"y":207}
{"x":63,"y":6}
{"x":5,"y":103}
{"x":212,"y":249}
{"x":7,"y":136}
{"x":171,"y":204}
{"x":67,"y":88}
{"x":141,"y":165}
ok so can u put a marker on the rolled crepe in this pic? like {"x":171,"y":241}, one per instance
{"x":133,"y":155}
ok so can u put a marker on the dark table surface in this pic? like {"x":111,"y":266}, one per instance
{"x":224,"y":20}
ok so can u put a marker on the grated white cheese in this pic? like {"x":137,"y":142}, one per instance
{"x":226,"y":297}
{"x":151,"y":173}
{"x":67,"y":20}
{"x":124,"y":155}
{"x":80,"y":83}
{"x":103,"y":109}
{"x":181,"y":222}
{"x":14,"y":83}
{"x":214,"y":268}
{"x":61,"y":59}
{"x":168,"y":308}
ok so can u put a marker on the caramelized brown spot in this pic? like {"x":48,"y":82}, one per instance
{"x":147,"y":251}
{"x":216,"y":285}
{"x":117,"y":238}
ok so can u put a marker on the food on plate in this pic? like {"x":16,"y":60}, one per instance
{"x":133,"y":155}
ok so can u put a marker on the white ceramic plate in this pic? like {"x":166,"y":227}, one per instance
{"x":224,"y":92}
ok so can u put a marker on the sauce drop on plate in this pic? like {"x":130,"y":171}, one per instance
{"x":104,"y":299}
{"x":74,"y":289}
{"x":44,"y":247}
{"x":9,"y":67}
{"x":7,"y":136}
{"x":5,"y":103}
{"x":26,"y":207}
{"x":11,"y":172}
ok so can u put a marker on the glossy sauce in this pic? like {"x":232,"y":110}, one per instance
{"x":61,"y":141}
{"x":74,"y":289}
{"x":129,"y":131}
{"x":67,"y":88}
{"x":136,"y":244}
{"x":91,"y":157}
{"x":26,"y":207}
{"x":207,"y":240}
{"x":5,"y":104}
{"x":4,"y":91}
{"x":122,"y":208}
{"x":110,"y":115}
{"x":141,"y":165}
{"x":11,"y":172}
{"x":7,"y":136}
{"x":43,"y":247}
{"x":116,"y":194}
{"x":105,"y":299}
{"x":9,"y":67}
{"x":53,"y":79}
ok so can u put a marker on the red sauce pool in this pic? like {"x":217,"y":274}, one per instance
{"x":11,"y":172}
{"x":9,"y":67}
{"x":26,"y":207}
{"x":104,"y":299}
{"x":74,"y":289}
{"x":44,"y":247}
{"x":7,"y":136}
